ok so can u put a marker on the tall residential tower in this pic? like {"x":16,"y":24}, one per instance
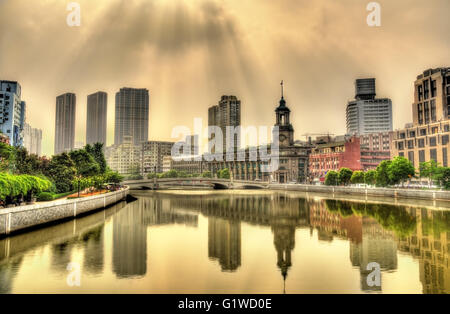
{"x":96,"y":118}
{"x":65,"y":123}
{"x":132,"y":108}
{"x":12,"y":112}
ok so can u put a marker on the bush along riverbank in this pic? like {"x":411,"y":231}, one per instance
{"x":26,"y":178}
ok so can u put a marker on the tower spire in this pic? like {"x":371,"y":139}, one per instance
{"x":282,"y":86}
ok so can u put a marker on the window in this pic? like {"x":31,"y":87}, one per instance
{"x":433,"y":88}
{"x":400,"y":145}
{"x":433,"y":154}
{"x":444,"y":139}
{"x":423,"y":132}
{"x":426,"y":89}
{"x":411,"y":157}
{"x":421,"y":156}
{"x":401,"y":154}
{"x":420,"y":92}
{"x":426,"y":110}
{"x":402,"y":135}
{"x":432,"y":141}
{"x":433,"y":110}
{"x":446,"y":128}
{"x":421,"y":143}
{"x":444,"y":157}
{"x":412,"y":134}
{"x":410,"y":144}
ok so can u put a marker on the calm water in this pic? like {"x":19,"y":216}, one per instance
{"x":235,"y":242}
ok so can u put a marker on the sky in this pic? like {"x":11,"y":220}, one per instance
{"x":188,"y":53}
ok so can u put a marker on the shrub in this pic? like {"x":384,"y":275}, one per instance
{"x":45,"y":197}
{"x":345,"y":175}
{"x":332,"y":178}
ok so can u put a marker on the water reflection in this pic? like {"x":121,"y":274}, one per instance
{"x":373,"y":232}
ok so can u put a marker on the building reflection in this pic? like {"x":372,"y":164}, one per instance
{"x":430,"y":244}
{"x":8,"y":271}
{"x":93,"y":242}
{"x":224,"y":242}
{"x":129,"y":256}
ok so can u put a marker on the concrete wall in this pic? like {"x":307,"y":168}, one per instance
{"x":19,"y":218}
{"x":381,"y":192}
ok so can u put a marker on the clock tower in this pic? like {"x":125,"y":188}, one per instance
{"x":286,"y":131}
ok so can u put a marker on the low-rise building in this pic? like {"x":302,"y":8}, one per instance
{"x":334,"y":155}
{"x":153,"y":153}
{"x":124,"y":157}
{"x":374,"y":149}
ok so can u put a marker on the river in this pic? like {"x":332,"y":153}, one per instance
{"x":235,"y":242}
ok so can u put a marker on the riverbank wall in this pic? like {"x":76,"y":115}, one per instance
{"x":433,"y":195}
{"x":30,"y":216}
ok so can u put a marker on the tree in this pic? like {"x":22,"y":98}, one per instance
{"x":382,"y":176}
{"x":345,"y":175}
{"x":224,"y":174}
{"x":85,"y":164}
{"x":357,"y":177}
{"x":96,"y":151}
{"x":332,"y":178}
{"x":442,"y":176}
{"x":400,"y":170}
{"x":62,"y":172}
{"x":206,"y":174}
{"x":370,"y":177}
{"x":6,"y":157}
{"x":428,"y":170}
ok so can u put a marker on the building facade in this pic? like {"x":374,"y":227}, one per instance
{"x":12,"y":112}
{"x":123,"y":157}
{"x":428,"y":136}
{"x":97,"y":105}
{"x":334,"y":155}
{"x":131,"y":120}
{"x":368,"y":114}
{"x":65,"y":123}
{"x":32,"y":140}
{"x":292,"y":157}
{"x":190,"y":167}
{"x":226,"y":114}
{"x":375,"y":148}
{"x":152,"y":156}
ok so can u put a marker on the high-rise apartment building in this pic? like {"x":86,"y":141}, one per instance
{"x":227,"y":114}
{"x":367,"y":114}
{"x":96,"y":118}
{"x":431,"y":96}
{"x":65,"y":123}
{"x":428,"y":138}
{"x":32,"y":139}
{"x":132,"y":109}
{"x":12,"y":112}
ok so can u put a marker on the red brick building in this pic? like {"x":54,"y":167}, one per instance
{"x":335,"y":155}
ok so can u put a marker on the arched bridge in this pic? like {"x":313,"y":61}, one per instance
{"x":194,"y":183}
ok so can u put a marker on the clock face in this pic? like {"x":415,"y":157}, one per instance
{"x":282,"y":138}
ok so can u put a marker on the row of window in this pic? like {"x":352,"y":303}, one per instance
{"x":433,"y":156}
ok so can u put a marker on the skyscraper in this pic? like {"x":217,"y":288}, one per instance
{"x":96,"y":118}
{"x":12,"y":112}
{"x":65,"y":123}
{"x":132,"y":107}
{"x":32,"y":139}
{"x":367,"y":114}
{"x":226,"y":114}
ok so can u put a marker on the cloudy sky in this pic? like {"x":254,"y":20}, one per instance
{"x":190,"y":52}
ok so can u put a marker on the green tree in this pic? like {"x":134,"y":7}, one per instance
{"x":400,"y":170}
{"x":7,"y":156}
{"x":370,"y":177}
{"x":357,"y":177}
{"x":206,"y":174}
{"x":332,"y":178}
{"x":442,"y":176}
{"x":62,"y":171}
{"x":224,"y":174}
{"x":382,"y":176}
{"x":428,"y":170}
{"x":85,"y":164}
{"x":97,"y":152}
{"x":345,"y":175}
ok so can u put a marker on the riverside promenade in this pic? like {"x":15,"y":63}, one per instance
{"x":24,"y":217}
